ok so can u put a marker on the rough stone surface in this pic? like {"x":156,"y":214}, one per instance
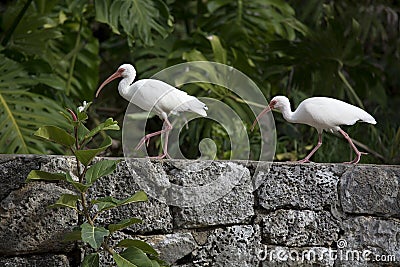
{"x":299,"y":209}
{"x":236,"y":206}
{"x":47,"y":260}
{"x":371,"y":190}
{"x":231,"y":246}
{"x":121,"y":184}
{"x":277,"y":256}
{"x":304,"y":186}
{"x":295,"y":228}
{"x":29,"y":226}
{"x":173,"y":247}
{"x":13,"y":171}
{"x":381,"y":237}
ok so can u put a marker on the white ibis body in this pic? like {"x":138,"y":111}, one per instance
{"x":322,"y":113}
{"x":154,"y":95}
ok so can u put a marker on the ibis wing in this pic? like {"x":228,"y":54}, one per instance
{"x":159,"y":96}
{"x":329,"y":113}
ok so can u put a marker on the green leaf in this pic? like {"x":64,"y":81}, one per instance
{"x":73,"y":236}
{"x":23,"y":112}
{"x":56,"y":135}
{"x":122,"y":262}
{"x":94,"y":236}
{"x":86,"y":156}
{"x":123,"y":224}
{"x":136,"y":256}
{"x":82,"y":116}
{"x":109,"y":202}
{"x":219,"y":52}
{"x":139,"y":196}
{"x":79,"y":186}
{"x":99,"y":169}
{"x":109,"y":124}
{"x":66,"y":200}
{"x":140,"y":19}
{"x":91,"y":260}
{"x":138,"y":244}
{"x":47,"y":176}
{"x":105,"y":203}
{"x":82,"y":131}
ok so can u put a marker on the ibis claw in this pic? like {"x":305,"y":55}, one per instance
{"x":305,"y":160}
{"x":162,"y":156}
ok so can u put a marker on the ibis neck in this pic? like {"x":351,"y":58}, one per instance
{"x":287,"y":114}
{"x":124,"y":84}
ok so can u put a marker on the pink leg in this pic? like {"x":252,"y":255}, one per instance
{"x":307,"y":158}
{"x":165,"y":148}
{"x":147,"y":137}
{"x":259,"y":116}
{"x":358,"y":153}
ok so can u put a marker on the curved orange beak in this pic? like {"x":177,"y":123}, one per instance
{"x":268,"y":108}
{"x":116,"y":75}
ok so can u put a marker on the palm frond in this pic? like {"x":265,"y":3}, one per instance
{"x":139,"y":19}
{"x":22,"y":112}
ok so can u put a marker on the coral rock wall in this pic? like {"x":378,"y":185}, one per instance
{"x":300,"y":214}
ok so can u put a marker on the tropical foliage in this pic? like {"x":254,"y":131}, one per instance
{"x":51,"y":53}
{"x":91,"y":233}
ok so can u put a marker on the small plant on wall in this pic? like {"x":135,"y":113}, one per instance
{"x":127,"y":252}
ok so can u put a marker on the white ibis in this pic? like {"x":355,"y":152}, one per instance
{"x":322,"y":113}
{"x":157,"y":96}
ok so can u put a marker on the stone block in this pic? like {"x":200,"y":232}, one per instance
{"x":13,"y":171}
{"x":277,"y":256}
{"x":298,"y":228}
{"x":234,"y":246}
{"x":27,"y":224}
{"x":45,"y":260}
{"x":235,"y":205}
{"x":300,"y":186}
{"x":173,"y":247}
{"x":369,"y":241}
{"x":122,"y":184}
{"x":371,"y":190}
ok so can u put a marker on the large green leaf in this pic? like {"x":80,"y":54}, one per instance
{"x":136,"y":256}
{"x":87,"y":155}
{"x":139,"y":19}
{"x":122,"y":262}
{"x":92,"y":235}
{"x":66,"y":201}
{"x":132,"y":256}
{"x":30,"y":37}
{"x":55,"y":134}
{"x":123,"y":224}
{"x":22,"y":112}
{"x":109,"y":124}
{"x":138,"y":244}
{"x":109,"y":202}
{"x":91,"y":260}
{"x":79,"y":186}
{"x":46,"y":176}
{"x":99,"y":169}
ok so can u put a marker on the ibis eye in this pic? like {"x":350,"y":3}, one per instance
{"x":121,"y":70}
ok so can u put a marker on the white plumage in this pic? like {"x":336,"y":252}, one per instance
{"x":154,"y":95}
{"x":322,"y":113}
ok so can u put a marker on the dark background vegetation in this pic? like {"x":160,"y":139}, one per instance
{"x":54,"y":53}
